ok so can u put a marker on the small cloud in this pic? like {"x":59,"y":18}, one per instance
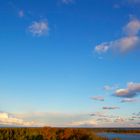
{"x":21,"y":13}
{"x":102,"y":48}
{"x":98,"y":98}
{"x":129,"y":100}
{"x":129,"y":41}
{"x":132,"y":90}
{"x":67,"y":1}
{"x":110,"y":107}
{"x":39,"y":28}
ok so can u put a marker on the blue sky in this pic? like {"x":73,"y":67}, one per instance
{"x":70,"y":63}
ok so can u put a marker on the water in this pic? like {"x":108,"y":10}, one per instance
{"x":121,"y":136}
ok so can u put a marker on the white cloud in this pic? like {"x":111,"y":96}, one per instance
{"x":39,"y":28}
{"x":98,"y":98}
{"x":128,"y":42}
{"x":132,"y":90}
{"x":103,"y":47}
{"x":7,"y":119}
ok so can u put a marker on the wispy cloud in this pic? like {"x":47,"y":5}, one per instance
{"x":67,"y":1}
{"x":133,"y":1}
{"x":119,"y":120}
{"x":21,"y":13}
{"x":116,"y":6}
{"x":136,"y":114}
{"x":109,"y":88}
{"x":136,"y":117}
{"x":84,"y":123}
{"x":39,"y":28}
{"x":129,"y":100}
{"x":56,"y":119}
{"x":107,"y":120}
{"x":129,"y":41}
{"x":110,"y":107}
{"x":59,"y":119}
{"x":102,"y":115}
{"x":98,"y":98}
{"x":98,"y":114}
{"x":130,"y":91}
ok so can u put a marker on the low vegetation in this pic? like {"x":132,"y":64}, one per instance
{"x":47,"y":134}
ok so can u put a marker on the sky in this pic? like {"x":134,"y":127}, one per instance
{"x":70,"y":63}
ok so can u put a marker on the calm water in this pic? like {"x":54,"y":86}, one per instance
{"x":121,"y":136}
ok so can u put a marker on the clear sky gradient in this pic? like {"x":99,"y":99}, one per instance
{"x":70,"y":63}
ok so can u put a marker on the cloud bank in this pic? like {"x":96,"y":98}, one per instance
{"x":10,"y":120}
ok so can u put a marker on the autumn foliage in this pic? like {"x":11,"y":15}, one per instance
{"x":48,"y":133}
